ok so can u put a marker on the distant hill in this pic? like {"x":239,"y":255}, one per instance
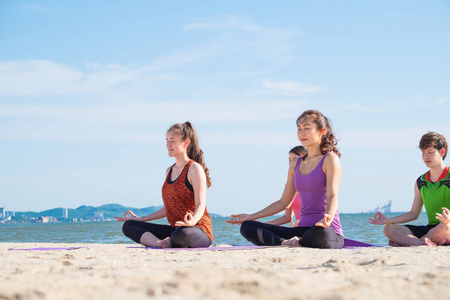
{"x":88,"y":212}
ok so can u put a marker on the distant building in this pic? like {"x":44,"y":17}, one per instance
{"x":43,"y":219}
{"x":9,"y":214}
{"x":383,"y":209}
{"x":98,"y":216}
{"x":65,"y":213}
{"x":2,"y":212}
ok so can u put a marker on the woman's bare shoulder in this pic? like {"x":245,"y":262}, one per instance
{"x":332,"y":159}
{"x":168,"y":170}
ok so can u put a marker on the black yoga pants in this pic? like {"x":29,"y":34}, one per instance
{"x":180,"y":237}
{"x":263,"y":234}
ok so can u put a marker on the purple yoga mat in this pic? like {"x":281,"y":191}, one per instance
{"x":348,"y":244}
{"x":49,"y":248}
{"x":246,"y":247}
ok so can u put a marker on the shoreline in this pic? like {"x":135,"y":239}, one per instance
{"x":113,"y":271}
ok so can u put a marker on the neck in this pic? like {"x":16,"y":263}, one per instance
{"x":437,"y":170}
{"x":314,"y":151}
{"x":181,"y":160}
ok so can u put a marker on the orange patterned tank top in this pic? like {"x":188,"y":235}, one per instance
{"x":179,"y":199}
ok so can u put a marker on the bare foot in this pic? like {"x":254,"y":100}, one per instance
{"x":165,"y":243}
{"x":293,"y":242}
{"x":394,"y":244}
{"x":429,"y":242}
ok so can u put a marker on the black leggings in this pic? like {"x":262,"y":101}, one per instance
{"x":263,"y":234}
{"x":180,"y":237}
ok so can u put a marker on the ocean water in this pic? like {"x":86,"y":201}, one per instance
{"x":356,"y":226}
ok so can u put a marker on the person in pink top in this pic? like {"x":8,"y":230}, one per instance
{"x":315,"y":177}
{"x":294,"y":208}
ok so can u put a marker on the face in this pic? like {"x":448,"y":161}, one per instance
{"x":307,"y":132}
{"x":292,"y":156}
{"x":432,"y":156}
{"x":174,"y":144}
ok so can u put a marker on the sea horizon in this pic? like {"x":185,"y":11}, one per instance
{"x":356,"y":226}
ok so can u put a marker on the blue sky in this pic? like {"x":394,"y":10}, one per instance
{"x":89,"y":88}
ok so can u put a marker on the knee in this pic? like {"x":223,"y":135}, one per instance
{"x":324,"y":238}
{"x":179,"y":238}
{"x":245,"y":226}
{"x":189,"y":237}
{"x":178,"y":234}
{"x":126,"y":227}
{"x":439,"y":234}
{"x":444,"y":227}
{"x":318,"y":233}
{"x":387,"y":230}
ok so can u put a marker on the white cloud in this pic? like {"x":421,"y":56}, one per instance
{"x":131,"y":122}
{"x":184,"y":57}
{"x":42,"y":77}
{"x":146,"y":123}
{"x":157,"y":112}
{"x":237,"y":23}
{"x":37,"y":77}
{"x":438,"y":102}
{"x":101,"y":134}
{"x":290,"y":88}
{"x":45,"y":131}
{"x":236,"y":48}
{"x":243,"y":36}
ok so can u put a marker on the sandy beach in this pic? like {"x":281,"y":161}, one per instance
{"x":113,"y":271}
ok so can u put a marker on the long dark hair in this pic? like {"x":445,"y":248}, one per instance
{"x":187,"y":131}
{"x":298,"y":150}
{"x":329,"y":141}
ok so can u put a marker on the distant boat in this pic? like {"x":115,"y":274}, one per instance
{"x":384,"y":209}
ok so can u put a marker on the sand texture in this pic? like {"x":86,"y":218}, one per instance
{"x":113,"y":271}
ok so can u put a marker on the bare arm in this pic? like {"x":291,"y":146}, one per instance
{"x":286,"y":218}
{"x":332,"y":170}
{"x":159,"y":214}
{"x":197,"y":177}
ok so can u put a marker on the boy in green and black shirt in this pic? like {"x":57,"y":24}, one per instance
{"x":432,"y":189}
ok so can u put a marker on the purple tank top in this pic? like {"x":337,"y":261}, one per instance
{"x":312,"y":189}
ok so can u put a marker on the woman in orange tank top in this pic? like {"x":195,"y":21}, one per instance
{"x":184,"y":197}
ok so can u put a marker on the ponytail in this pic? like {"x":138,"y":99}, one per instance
{"x":193,"y":151}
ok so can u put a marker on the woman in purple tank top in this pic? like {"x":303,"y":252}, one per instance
{"x":315,"y":176}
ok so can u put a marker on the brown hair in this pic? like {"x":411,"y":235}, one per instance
{"x":187,"y":131}
{"x":298,"y":150}
{"x":329,"y":141}
{"x":435,"y":140}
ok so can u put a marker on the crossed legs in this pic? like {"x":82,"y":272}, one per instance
{"x":403,"y":236}
{"x":165,"y":236}
{"x":270,"y":235}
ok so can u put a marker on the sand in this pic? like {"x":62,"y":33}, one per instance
{"x":113,"y":271}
